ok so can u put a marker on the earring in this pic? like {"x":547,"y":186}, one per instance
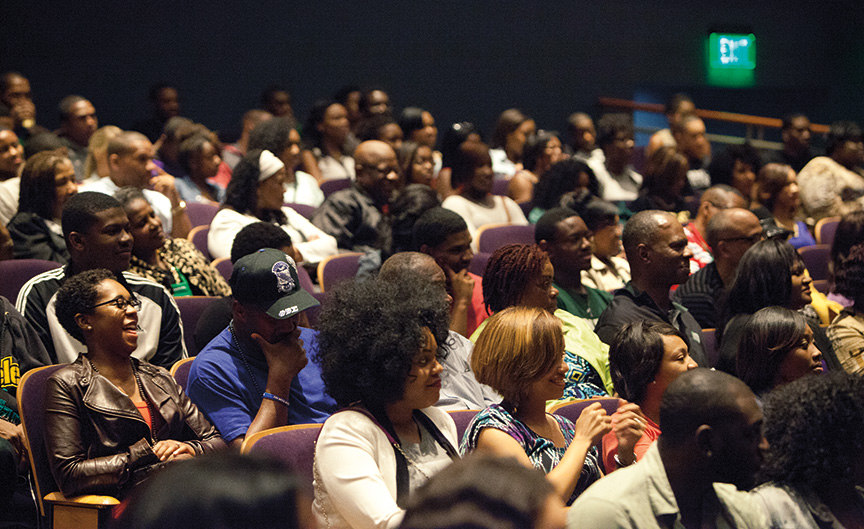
{"x":89,"y":328}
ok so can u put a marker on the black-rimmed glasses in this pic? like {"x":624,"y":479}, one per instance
{"x":121,"y":303}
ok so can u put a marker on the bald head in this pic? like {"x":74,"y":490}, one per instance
{"x":130,"y":159}
{"x":125,"y":142}
{"x":644,"y":228}
{"x":717,"y":198}
{"x":417,"y":266}
{"x":377,"y":170}
{"x":730,"y":224}
{"x":372,"y":152}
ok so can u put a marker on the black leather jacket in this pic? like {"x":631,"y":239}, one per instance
{"x":97,"y":441}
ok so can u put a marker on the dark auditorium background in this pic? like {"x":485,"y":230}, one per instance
{"x":461,"y":60}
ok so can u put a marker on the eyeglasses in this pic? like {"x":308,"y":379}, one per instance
{"x":121,"y":303}
{"x":753,"y":239}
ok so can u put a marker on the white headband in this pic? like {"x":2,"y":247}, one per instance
{"x":269,"y":164}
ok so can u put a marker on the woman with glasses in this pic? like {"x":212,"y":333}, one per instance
{"x":111,"y":420}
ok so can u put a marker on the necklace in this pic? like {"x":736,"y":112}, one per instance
{"x":258,"y":390}
{"x":411,"y":461}
{"x":141,"y":393}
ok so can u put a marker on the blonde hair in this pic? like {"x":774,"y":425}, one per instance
{"x":99,"y":141}
{"x":516,"y":348}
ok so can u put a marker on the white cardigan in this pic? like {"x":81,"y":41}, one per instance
{"x":355,"y":471}
{"x":313,"y":243}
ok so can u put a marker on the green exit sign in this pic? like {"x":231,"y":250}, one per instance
{"x":732,"y":51}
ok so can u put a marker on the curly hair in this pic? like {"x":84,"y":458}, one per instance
{"x":850,"y":231}
{"x":481,"y":492}
{"x":518,"y":346}
{"x":723,"y":164}
{"x":849,"y":275}
{"x":369,"y":334}
{"x":272,"y":135}
{"x":813,"y":427}
{"x":562,"y":178}
{"x":509,"y":271}
{"x":242,"y":191}
{"x":77,"y":296}
{"x":635,"y":356}
{"x":768,"y":337}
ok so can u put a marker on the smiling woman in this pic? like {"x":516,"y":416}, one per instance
{"x":111,"y":420}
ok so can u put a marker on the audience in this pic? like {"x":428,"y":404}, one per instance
{"x":173,"y":263}
{"x":796,"y":134}
{"x":609,"y":271}
{"x":96,"y":230}
{"x":846,"y":332}
{"x":730,"y":233}
{"x":78,"y":122}
{"x":444,"y":235}
{"x":233,"y":152}
{"x":459,"y":389}
{"x":47,"y":182}
{"x":454,"y":137}
{"x":691,"y":141}
{"x":96,"y":164}
{"x":850,"y":231}
{"x":522,"y":275}
{"x":618,"y":181}
{"x":327,"y":131}
{"x":373,"y":102}
{"x":16,"y":97}
{"x":90,"y":450}
{"x":659,"y":258}
{"x":830,"y":186}
{"x":665,"y":181}
{"x":541,"y":151}
{"x":381,"y":127}
{"x":357,"y":216}
{"x":677,"y":106}
{"x":583,"y":137}
{"x":777,"y":202}
{"x":199,"y":158}
{"x":567,"y":181}
{"x":280,"y":137}
{"x":411,"y":204}
{"x":813,"y":465}
{"x":255,"y":374}
{"x":776,"y":348}
{"x":379,"y":348}
{"x":508,"y":141}
{"x":486,"y":492}
{"x":11,"y":162}
{"x":519,"y":354}
{"x":472,"y":175}
{"x":710,"y":444}
{"x":419,"y":127}
{"x":563,"y":235}
{"x":644,"y":358}
{"x":164,"y":102}
{"x":417,"y":162}
{"x":255,"y":194}
{"x":736,"y":166}
{"x":276,"y":100}
{"x":714,"y":199}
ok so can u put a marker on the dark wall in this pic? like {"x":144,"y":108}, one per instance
{"x":462,"y":60}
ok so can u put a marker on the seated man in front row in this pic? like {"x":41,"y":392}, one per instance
{"x":255,"y":375}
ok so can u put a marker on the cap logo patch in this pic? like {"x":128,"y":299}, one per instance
{"x":288,"y":311}
{"x":284,"y":281}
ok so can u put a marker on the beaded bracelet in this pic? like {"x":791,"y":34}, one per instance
{"x":276,"y":398}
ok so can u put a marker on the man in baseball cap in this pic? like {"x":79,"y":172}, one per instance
{"x":255,"y":375}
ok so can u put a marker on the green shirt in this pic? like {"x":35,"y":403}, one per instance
{"x":587,"y":306}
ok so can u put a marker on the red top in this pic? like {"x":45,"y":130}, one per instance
{"x":610,"y":444}
{"x":477,"y":310}
{"x":144,"y":410}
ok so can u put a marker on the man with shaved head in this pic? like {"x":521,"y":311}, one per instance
{"x":130,"y":161}
{"x":78,"y":122}
{"x":659,"y":258}
{"x":710,"y":446}
{"x":356,"y":216}
{"x":731,"y":232}
{"x":714,"y":199}
{"x":459,"y":389}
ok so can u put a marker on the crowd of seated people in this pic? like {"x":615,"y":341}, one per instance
{"x":630,"y":284}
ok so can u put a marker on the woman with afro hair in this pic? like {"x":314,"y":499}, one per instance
{"x":378,"y":347}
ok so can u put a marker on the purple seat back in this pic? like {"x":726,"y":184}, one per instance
{"x":333,"y":270}
{"x":312,"y":313}
{"x":825,"y":231}
{"x":304,"y":209}
{"x":14,"y":273}
{"x":198,"y":236}
{"x":191,"y":308}
{"x":305,"y":280}
{"x":709,"y":343}
{"x":225,"y":267}
{"x":499,"y":187}
{"x":526,"y":208}
{"x":180,"y":371}
{"x":201,"y":214}
{"x":31,"y":402}
{"x":328,"y":187}
{"x":478,"y":263}
{"x":462,"y":418}
{"x":572,"y":410}
{"x":293,"y":445}
{"x":816,"y":260}
{"x":493,"y":238}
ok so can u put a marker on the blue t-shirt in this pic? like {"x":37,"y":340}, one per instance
{"x":221,"y":386}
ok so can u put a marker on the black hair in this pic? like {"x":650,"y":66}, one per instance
{"x":191,"y":147}
{"x":406,"y":154}
{"x":455,"y":135}
{"x":414,"y":201}
{"x":560,"y":179}
{"x":771,"y":179}
{"x":156,"y":89}
{"x":764,"y":277}
{"x":223,"y":490}
{"x":77,"y":296}
{"x":79,"y":212}
{"x":44,"y":141}
{"x":610,"y":125}
{"x":510,"y":270}
{"x":365,"y":95}
{"x":242,"y":191}
{"x":313,"y":137}
{"x":635,"y":357}
{"x":664,"y":167}
{"x":814,"y":433}
{"x":272,"y":135}
{"x":370,"y":128}
{"x":38,"y":193}
{"x":509,"y":121}
{"x":839,"y":133}
{"x":546,"y":228}
{"x":535,"y":147}
{"x":850,"y":231}
{"x":64,"y":108}
{"x":411,"y":119}
{"x":674,"y":102}
{"x":768,"y":336}
{"x":128,"y":194}
{"x":268,"y":93}
{"x":723,"y":164}
{"x":468,"y":157}
{"x":849,"y":275}
{"x":369,"y":334}
{"x":258,"y":235}
{"x":789,"y":120}
{"x":598,"y":214}
{"x":480,"y":492}
{"x":434,"y":226}
{"x":341,"y":95}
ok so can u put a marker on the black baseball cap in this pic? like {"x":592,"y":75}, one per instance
{"x":268,"y":279}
